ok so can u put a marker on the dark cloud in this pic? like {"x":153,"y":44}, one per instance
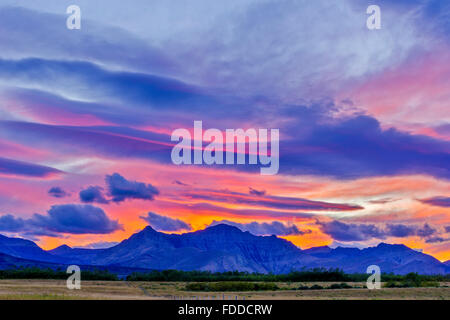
{"x":94,"y":81}
{"x":14,"y":167}
{"x":256,"y":192}
{"x":436,"y":240}
{"x":401,"y":230}
{"x":116,"y":142}
{"x":447,"y":229}
{"x":316,"y":144}
{"x":57,"y":192}
{"x":438,"y":201}
{"x":257,"y":213}
{"x":276,"y":202}
{"x":121,"y":189}
{"x":264,"y":228}
{"x":76,"y":219}
{"x":356,"y":146}
{"x":360,"y":232}
{"x":351,"y":232}
{"x":68,"y":218}
{"x":426,"y":231}
{"x":93,"y":194}
{"x":163,"y":223}
{"x":37,"y":101}
{"x":180,"y":183}
{"x":9,"y":223}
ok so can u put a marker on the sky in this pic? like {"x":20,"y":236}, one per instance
{"x":86,"y":118}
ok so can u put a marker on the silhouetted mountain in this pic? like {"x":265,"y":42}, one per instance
{"x":396,"y":258}
{"x":25,"y":249}
{"x":218,"y":248}
{"x":10,"y":262}
{"x":226,"y":248}
{"x":61,"y":250}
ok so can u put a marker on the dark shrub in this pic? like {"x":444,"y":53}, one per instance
{"x":316,"y":287}
{"x":230,"y":286}
{"x":342,"y":285}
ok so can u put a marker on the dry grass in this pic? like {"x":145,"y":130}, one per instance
{"x":96,"y":290}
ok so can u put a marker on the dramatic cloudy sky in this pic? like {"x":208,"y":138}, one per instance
{"x":86,"y":117}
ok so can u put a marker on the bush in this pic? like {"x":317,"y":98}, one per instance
{"x":230,"y":286}
{"x":413,"y":280}
{"x":303,"y":288}
{"x":316,"y":287}
{"x":429,"y":284}
{"x":342,"y":285}
{"x":316,"y":274}
{"x":392,"y":284}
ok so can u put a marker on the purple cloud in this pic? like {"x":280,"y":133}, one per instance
{"x":9,"y":223}
{"x":264,"y":228}
{"x":356,"y":146}
{"x":121,"y":189}
{"x":68,"y":218}
{"x":436,"y":240}
{"x":323,"y":145}
{"x":351,"y":232}
{"x":361,"y":232}
{"x":426,"y":231}
{"x":76,"y":219}
{"x":14,"y":167}
{"x":94,"y":82}
{"x":438,"y":201}
{"x":256,"y":192}
{"x":276,"y":202}
{"x":163,"y":223}
{"x":116,"y":142}
{"x":93,"y":194}
{"x":401,"y":230}
{"x":57,"y":192}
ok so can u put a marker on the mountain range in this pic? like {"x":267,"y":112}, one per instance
{"x":220,"y":248}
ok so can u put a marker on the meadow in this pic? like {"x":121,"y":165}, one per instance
{"x":37,"y":289}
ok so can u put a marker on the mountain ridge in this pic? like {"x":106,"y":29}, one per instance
{"x":223,"y":248}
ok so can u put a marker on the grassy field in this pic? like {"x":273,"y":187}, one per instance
{"x":56,"y":290}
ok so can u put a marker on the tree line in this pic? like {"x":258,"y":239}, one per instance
{"x":310,"y":275}
{"x":47,"y":273}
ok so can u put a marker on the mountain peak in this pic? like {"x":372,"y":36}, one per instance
{"x":146,"y":235}
{"x":223,"y":227}
{"x":148,"y":229}
{"x":383,"y":245}
{"x":62,"y":249}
